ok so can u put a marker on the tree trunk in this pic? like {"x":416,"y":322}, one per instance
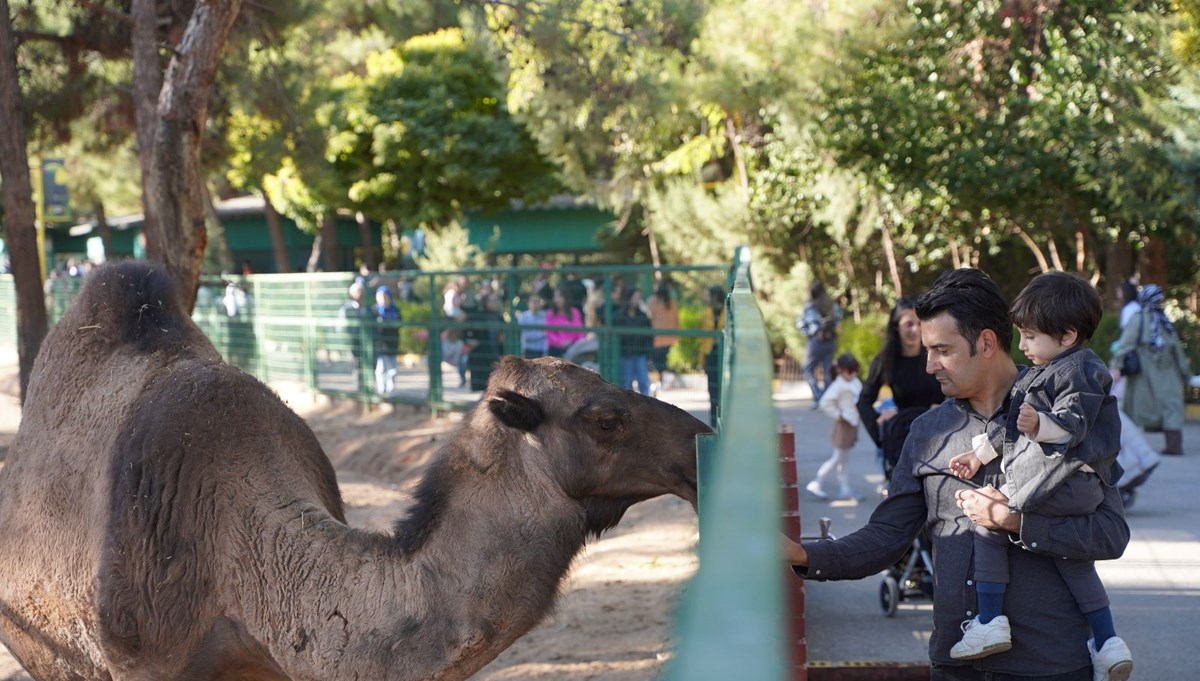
{"x":275,"y":230}
{"x":955,"y":258}
{"x":19,"y":213}
{"x":147,"y":85}
{"x":217,"y":256}
{"x":174,"y":188}
{"x":1117,"y":266}
{"x":329,"y":240}
{"x":364,"y":236}
{"x":1054,"y":257}
{"x":314,"y":257}
{"x":103,"y":227}
{"x":739,"y":162}
{"x":889,"y":250}
{"x":392,"y":230}
{"x":1043,"y":266}
{"x":1153,"y":263}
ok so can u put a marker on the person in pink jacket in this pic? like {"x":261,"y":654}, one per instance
{"x":562,"y":314}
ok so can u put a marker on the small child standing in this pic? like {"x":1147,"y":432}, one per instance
{"x":1059,"y":451}
{"x":840,"y":401}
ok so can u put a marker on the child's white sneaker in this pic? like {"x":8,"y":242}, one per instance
{"x":1114,"y":661}
{"x":814,"y":488}
{"x":981,"y":640}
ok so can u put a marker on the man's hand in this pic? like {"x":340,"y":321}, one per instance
{"x":1028,"y":420}
{"x":793,"y":553}
{"x":988,"y":508}
{"x":966,"y":465}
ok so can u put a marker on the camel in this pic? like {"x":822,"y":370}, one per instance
{"x":164,"y":515}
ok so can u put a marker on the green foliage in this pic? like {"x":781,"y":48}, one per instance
{"x":863,"y":339}
{"x":1188,"y":328}
{"x":414,"y":340}
{"x":449,"y":249}
{"x":1015,"y":115}
{"x":423,"y":134}
{"x":685,"y":356}
{"x":1107,"y":332}
{"x":601,"y":83}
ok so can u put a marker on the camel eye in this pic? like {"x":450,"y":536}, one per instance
{"x":609,"y":424}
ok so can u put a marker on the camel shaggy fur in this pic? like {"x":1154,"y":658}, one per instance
{"x":163,"y":515}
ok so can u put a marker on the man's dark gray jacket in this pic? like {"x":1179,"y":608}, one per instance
{"x":1049,"y":633}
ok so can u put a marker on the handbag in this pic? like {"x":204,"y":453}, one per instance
{"x":1131,"y":364}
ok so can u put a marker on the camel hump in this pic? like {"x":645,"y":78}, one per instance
{"x":134,"y":303}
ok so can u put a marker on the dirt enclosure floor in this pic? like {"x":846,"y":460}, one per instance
{"x":614,"y":618}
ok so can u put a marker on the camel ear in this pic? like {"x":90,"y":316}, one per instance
{"x":517,"y":411}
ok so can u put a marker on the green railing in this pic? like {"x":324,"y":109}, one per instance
{"x":730,"y":624}
{"x":285,"y":328}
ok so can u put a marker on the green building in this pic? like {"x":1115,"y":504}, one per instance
{"x":562,"y":226}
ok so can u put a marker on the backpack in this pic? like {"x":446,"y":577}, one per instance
{"x":827,"y":330}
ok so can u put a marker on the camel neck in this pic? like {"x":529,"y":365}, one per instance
{"x":482,"y":575}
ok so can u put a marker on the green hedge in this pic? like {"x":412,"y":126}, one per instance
{"x":863,"y":339}
{"x":413,"y":339}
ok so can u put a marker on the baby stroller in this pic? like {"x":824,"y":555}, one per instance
{"x":1137,"y":457}
{"x":908,"y":578}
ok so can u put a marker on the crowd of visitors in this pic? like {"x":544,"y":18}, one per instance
{"x":559,"y":314}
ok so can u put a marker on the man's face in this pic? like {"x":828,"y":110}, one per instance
{"x":950,"y":360}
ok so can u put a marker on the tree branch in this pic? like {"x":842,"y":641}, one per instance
{"x":1033,"y":247}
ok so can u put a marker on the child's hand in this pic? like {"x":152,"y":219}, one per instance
{"x":965,"y":465}
{"x":1028,"y":420}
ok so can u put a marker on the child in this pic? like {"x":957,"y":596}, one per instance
{"x":387,"y":341}
{"x":533,"y":341}
{"x":840,"y":401}
{"x":1059,"y":451}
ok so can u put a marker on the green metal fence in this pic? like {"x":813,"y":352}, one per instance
{"x":730,"y":624}
{"x":286,"y":330}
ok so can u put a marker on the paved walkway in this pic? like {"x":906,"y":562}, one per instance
{"x":1154,"y":588}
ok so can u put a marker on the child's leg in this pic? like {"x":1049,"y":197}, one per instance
{"x":988,"y":632}
{"x":991,"y":572}
{"x":843,"y":474}
{"x":830,"y":466}
{"x":1085,"y":585}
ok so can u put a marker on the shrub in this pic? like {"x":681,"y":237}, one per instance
{"x":863,"y":339}
{"x":414,"y":339}
{"x":685,"y":355}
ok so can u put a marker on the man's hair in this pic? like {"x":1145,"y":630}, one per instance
{"x":975,"y":303}
{"x":1055,"y":303}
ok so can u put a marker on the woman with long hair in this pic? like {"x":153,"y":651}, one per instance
{"x":900,"y":366}
{"x":561,"y":314}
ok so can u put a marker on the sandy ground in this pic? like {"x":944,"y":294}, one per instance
{"x":614,"y":616}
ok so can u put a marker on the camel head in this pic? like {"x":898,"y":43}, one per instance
{"x":606,"y":447}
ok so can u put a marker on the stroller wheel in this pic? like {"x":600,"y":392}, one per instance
{"x":889,"y":595}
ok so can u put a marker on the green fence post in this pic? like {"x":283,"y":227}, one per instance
{"x":435,"y":346}
{"x":731,"y":622}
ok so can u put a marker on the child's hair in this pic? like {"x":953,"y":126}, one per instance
{"x":1055,"y":303}
{"x":846,"y":362}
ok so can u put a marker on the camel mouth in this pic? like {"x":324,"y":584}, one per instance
{"x":689,"y":492}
